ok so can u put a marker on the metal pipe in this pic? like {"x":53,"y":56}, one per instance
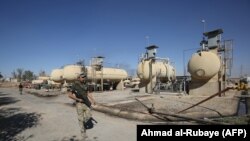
{"x":210,"y":97}
{"x":164,"y":59}
{"x":152,"y":111}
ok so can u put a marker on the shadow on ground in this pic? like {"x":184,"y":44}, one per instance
{"x":74,"y":138}
{"x":4,"y":100}
{"x":7,"y":100}
{"x":13,"y":122}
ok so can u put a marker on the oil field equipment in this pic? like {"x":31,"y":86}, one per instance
{"x":57,"y":75}
{"x":211,"y":65}
{"x":97,"y":75}
{"x":153,"y":70}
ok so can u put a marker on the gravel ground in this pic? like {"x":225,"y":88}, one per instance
{"x":30,"y":118}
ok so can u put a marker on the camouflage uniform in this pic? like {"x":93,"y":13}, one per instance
{"x":83,"y":111}
{"x":20,"y":88}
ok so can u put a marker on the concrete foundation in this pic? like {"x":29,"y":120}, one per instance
{"x":150,"y":86}
{"x":205,"y":88}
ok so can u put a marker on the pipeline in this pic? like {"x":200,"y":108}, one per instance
{"x":152,"y":111}
{"x":239,"y":87}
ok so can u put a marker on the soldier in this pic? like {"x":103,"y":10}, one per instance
{"x":20,"y":88}
{"x":80,"y":93}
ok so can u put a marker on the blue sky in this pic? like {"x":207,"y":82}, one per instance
{"x":47,"y":34}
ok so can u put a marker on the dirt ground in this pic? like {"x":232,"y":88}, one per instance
{"x":27,"y":117}
{"x":38,"y":115}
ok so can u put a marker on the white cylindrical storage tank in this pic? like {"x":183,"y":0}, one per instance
{"x":161,"y":69}
{"x":43,"y":78}
{"x":204,"y":65}
{"x":112,"y":74}
{"x":171,"y":74}
{"x":55,"y":84}
{"x":135,"y":81}
{"x":57,"y":75}
{"x":71,"y":72}
{"x":50,"y":82}
{"x":37,"y":81}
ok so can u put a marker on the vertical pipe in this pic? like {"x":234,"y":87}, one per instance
{"x":102,"y":79}
{"x":149,"y":86}
{"x":184,"y":73}
{"x":247,"y":100}
{"x":150,"y":76}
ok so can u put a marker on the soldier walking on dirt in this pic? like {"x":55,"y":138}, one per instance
{"x":20,"y":88}
{"x":80,"y":93}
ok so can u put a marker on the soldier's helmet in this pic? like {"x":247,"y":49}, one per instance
{"x":82,"y":75}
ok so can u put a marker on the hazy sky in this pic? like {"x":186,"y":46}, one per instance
{"x":47,"y":34}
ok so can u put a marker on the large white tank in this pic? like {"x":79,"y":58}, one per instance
{"x":204,"y":65}
{"x":43,"y":78}
{"x":57,"y":75}
{"x":161,"y":69}
{"x":112,"y":74}
{"x":39,"y":81}
{"x":171,"y":74}
{"x":71,"y":72}
{"x":50,"y":82}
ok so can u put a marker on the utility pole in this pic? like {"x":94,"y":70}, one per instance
{"x":241,"y":70}
{"x":204,"y":25}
